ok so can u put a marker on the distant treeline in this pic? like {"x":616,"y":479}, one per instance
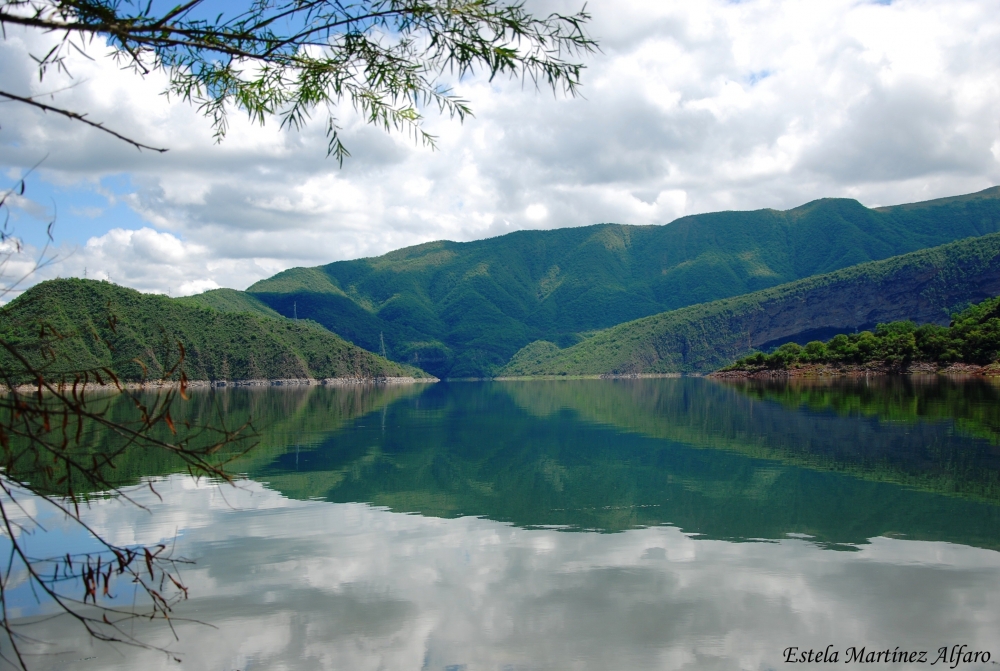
{"x":973,"y":337}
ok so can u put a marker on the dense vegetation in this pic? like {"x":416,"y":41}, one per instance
{"x":926,"y":285}
{"x":972,"y":337}
{"x":463,"y":309}
{"x":229,"y":300}
{"x":92,"y":324}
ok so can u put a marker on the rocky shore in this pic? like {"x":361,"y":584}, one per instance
{"x":217,"y":384}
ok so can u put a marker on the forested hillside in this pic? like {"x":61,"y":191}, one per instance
{"x":972,"y":337}
{"x":925,"y":286}
{"x":229,"y":300}
{"x":463,"y":309}
{"x":91,"y":324}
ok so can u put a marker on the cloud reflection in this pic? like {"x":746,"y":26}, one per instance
{"x":304,"y":585}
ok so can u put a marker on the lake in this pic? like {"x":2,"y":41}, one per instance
{"x":581,"y":524}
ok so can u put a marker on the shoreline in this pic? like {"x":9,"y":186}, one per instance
{"x":601,"y":376}
{"x":824,"y":370}
{"x":151,"y":385}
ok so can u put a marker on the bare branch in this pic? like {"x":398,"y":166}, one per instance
{"x":79,"y":117}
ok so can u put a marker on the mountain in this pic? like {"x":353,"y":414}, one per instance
{"x":925,"y":287}
{"x":463,"y":309}
{"x":229,"y":300}
{"x":101,"y":324}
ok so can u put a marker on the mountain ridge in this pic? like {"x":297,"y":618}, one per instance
{"x":464,"y":308}
{"x":923,"y":286}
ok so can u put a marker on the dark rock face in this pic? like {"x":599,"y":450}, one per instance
{"x":927,"y":289}
{"x":924,"y":295}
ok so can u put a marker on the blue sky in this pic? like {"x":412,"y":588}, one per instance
{"x":689,"y":107}
{"x":80,"y":210}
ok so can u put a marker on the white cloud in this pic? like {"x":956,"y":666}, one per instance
{"x":536,"y":212}
{"x":144,"y":259}
{"x":691,"y":107}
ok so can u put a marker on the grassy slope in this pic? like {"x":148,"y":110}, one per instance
{"x":219,"y":345}
{"x":463,"y":309}
{"x":704,"y":337}
{"x":229,"y":300}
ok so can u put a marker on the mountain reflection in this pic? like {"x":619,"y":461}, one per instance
{"x":838,"y":462}
{"x":721,"y":461}
{"x":482,"y":574}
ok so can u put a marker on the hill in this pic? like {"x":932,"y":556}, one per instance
{"x":973,"y":337}
{"x":924,"y":287}
{"x":230,"y":300}
{"x":463,"y":309}
{"x":107,"y":325}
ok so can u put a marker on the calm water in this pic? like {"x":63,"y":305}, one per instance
{"x":641,"y":524}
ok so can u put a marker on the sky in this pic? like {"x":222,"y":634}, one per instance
{"x":689,"y":107}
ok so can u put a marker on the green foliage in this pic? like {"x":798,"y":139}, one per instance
{"x":464,"y":309}
{"x":229,"y":300}
{"x":290,"y":57}
{"x":705,"y":337}
{"x":93,"y":324}
{"x":814,"y":351}
{"x":973,"y":337}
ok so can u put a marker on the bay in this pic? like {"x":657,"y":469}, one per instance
{"x":586,"y":524}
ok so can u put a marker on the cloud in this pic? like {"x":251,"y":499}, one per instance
{"x":690,"y":107}
{"x":144,"y":259}
{"x":294,"y":584}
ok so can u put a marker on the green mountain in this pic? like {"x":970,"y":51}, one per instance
{"x":96,"y":324}
{"x":230,"y":300}
{"x":924,"y":287}
{"x":463,"y":309}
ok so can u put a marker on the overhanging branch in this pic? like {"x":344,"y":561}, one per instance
{"x":79,"y":117}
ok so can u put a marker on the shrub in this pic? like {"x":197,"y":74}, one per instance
{"x":815,"y":352}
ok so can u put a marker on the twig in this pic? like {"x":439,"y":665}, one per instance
{"x":79,"y":117}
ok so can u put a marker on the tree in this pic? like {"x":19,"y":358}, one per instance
{"x":286,"y":58}
{"x":282,"y":59}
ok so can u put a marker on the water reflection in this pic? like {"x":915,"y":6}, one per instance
{"x":617,"y":455}
{"x":426,"y":527}
{"x":309,"y":585}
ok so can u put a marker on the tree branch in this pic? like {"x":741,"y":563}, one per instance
{"x":79,"y":117}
